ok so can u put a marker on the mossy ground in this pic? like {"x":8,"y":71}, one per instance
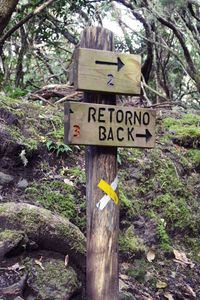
{"x":159,"y":191}
{"x":35,"y":124}
{"x":162,"y":184}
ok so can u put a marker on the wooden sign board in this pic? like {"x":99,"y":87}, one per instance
{"x":109,"y":125}
{"x":106,"y":71}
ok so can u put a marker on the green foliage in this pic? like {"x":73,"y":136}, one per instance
{"x":15,"y":92}
{"x":163,"y":237}
{"x":184,"y":131}
{"x":187,"y":119}
{"x":139,"y":270}
{"x":194,"y":156}
{"x":175,"y":210}
{"x":77,"y":174}
{"x":56,"y":196}
{"x":130,"y":244}
{"x":194,"y":245}
{"x":59,"y":148}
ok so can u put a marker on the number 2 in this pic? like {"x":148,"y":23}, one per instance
{"x":110,"y":79}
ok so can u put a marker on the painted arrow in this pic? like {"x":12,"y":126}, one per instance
{"x":119,"y":63}
{"x":146,"y":135}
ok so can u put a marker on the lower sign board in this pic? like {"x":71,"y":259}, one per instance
{"x":109,"y":125}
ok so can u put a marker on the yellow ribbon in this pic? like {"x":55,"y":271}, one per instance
{"x":106,"y":188}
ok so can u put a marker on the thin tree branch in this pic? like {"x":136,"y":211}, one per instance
{"x":158,"y":44}
{"x":154,"y":91}
{"x":23,"y":21}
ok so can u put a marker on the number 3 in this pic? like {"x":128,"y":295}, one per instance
{"x":77,"y":130}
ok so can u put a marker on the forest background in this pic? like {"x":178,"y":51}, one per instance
{"x":37,"y":39}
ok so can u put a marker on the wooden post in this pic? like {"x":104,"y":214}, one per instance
{"x":102,"y":225}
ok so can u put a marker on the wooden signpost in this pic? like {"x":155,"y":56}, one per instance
{"x":107,"y":71}
{"x":109,"y":125}
{"x":99,"y":124}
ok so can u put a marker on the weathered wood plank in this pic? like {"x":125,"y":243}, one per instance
{"x":109,"y":125}
{"x":102,"y":225}
{"x":107,"y":71}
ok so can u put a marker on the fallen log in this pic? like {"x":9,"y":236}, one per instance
{"x":48,"y":231}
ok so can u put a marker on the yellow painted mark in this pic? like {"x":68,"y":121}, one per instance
{"x":106,"y":188}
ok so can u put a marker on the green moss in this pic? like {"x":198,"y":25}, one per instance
{"x":130,"y":244}
{"x":139,"y":270}
{"x":125,"y":202}
{"x":30,"y":217}
{"x":2,"y":209}
{"x":189,"y":131}
{"x":31,"y":144}
{"x":163,"y":237}
{"x":78,"y":174}
{"x":184,"y":131}
{"x":194,"y":246}
{"x":14,"y":132}
{"x":129,"y":154}
{"x":78,"y":245}
{"x":52,"y":281}
{"x":177,"y":213}
{"x":10,"y":235}
{"x":33,"y":132}
{"x":56,"y":196}
{"x":193,"y":155}
{"x":187,"y":119}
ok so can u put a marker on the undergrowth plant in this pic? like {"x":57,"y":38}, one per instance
{"x":59,"y":148}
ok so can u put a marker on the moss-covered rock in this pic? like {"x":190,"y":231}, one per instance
{"x":184,"y":131}
{"x":51,"y":279}
{"x":49,"y":231}
{"x":9,"y":240}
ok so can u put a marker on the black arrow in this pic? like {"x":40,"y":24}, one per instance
{"x":119,"y":63}
{"x":147,"y":135}
{"x":71,"y":111}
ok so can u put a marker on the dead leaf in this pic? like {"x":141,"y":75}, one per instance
{"x":124,"y":277}
{"x":161,"y":284}
{"x":39,"y":263}
{"x":16,"y":267}
{"x":190,"y":291}
{"x":182,"y":258}
{"x":66,"y":260}
{"x":151,"y":254}
{"x":173,"y":274}
{"x":169,"y":296}
{"x":69,"y":182}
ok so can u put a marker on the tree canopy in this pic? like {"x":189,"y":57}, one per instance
{"x":37,"y":41}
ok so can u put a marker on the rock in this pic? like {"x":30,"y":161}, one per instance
{"x":5,"y":178}
{"x":9,"y":240}
{"x":52,"y":280}
{"x":23,"y":183}
{"x":48,"y":231}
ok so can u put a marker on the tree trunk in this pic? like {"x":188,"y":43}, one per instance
{"x":6,"y":9}
{"x":102,"y":225}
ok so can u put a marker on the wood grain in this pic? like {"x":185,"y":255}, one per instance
{"x":109,"y":125}
{"x":102,"y":226}
{"x":107,"y":71}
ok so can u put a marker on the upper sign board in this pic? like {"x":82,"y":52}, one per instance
{"x":109,"y":125}
{"x":106,"y":71}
